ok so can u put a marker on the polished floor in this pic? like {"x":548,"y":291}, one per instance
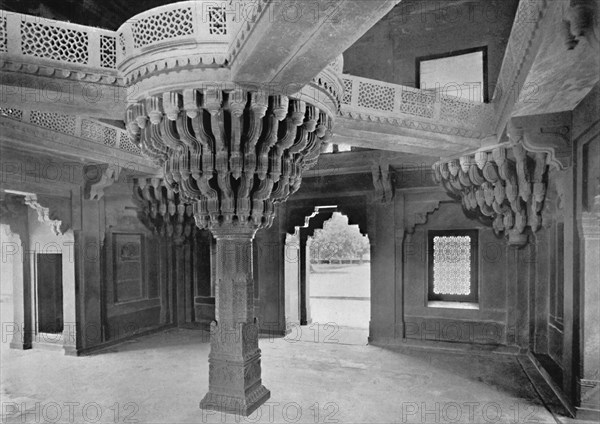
{"x":161,"y":378}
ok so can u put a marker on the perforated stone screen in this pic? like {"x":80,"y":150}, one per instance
{"x":108,"y":51}
{"x":452,"y":265}
{"x":127,"y":145}
{"x":347,"y":99}
{"x":417,"y":103}
{"x":102,"y":134}
{"x":54,"y":121}
{"x":11,"y":113}
{"x":373,"y":96}
{"x":66,"y":45}
{"x":169,"y":24}
{"x":3,"y":37}
{"x":217,"y":24}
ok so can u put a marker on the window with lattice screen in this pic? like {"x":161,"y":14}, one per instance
{"x":453,"y":265}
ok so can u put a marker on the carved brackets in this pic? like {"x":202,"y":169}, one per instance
{"x":382,"y":181}
{"x":44,"y":214}
{"x":163,"y":211}
{"x":95,"y":190}
{"x":505,"y":186}
{"x":548,"y":133}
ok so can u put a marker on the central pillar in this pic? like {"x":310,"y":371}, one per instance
{"x":235,"y":384}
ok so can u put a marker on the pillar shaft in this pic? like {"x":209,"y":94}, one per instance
{"x":235,"y":384}
{"x":305,"y":316}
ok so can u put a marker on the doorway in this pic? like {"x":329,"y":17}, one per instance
{"x":49,"y":293}
{"x":340,"y":274}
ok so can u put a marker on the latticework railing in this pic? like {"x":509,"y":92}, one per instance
{"x":76,"y":126}
{"x":196,"y":22}
{"x":193,"y":22}
{"x":363,"y":96}
{"x":26,"y":37}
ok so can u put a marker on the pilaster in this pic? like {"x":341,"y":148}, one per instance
{"x":589,"y":383}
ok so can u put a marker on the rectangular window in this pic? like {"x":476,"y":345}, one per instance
{"x":453,"y":266}
{"x":459,"y":74}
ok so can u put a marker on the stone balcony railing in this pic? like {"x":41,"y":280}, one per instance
{"x":55,"y":48}
{"x":380,"y":101}
{"x":203,"y":33}
{"x":76,"y":126}
{"x":61,"y":49}
{"x":179,"y":34}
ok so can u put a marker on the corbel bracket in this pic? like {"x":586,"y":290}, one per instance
{"x":548,"y":133}
{"x":94,"y":189}
{"x":382,"y":181}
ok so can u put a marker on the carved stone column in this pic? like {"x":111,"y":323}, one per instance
{"x":235,"y":384}
{"x":304,"y":257}
{"x":228,"y":157}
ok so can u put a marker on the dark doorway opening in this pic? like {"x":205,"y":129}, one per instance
{"x":49,"y":293}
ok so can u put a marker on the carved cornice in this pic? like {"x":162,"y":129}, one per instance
{"x":180,"y":63}
{"x":38,"y":67}
{"x":410,"y":123}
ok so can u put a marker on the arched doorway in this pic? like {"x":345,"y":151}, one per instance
{"x":334,"y":278}
{"x":340,"y":274}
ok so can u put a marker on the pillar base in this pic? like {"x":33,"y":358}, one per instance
{"x":20,"y":345}
{"x":236,"y":405}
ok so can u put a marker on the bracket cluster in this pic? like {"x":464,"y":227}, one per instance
{"x":506,"y":187}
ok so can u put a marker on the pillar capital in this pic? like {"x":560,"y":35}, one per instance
{"x":234,"y":232}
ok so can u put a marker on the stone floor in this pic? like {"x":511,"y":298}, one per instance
{"x":161,"y":378}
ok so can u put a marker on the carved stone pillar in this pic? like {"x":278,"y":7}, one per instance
{"x":228,"y":158}
{"x":305,"y":315}
{"x":235,"y":384}
{"x":229,"y":154}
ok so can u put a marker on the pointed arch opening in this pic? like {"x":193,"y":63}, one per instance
{"x":334,"y":293}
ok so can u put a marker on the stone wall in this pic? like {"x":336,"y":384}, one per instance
{"x":417,"y":28}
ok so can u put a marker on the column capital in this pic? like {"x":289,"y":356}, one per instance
{"x":234,"y":232}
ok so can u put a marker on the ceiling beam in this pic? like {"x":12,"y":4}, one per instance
{"x":378,"y":135}
{"x":292,"y":41}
